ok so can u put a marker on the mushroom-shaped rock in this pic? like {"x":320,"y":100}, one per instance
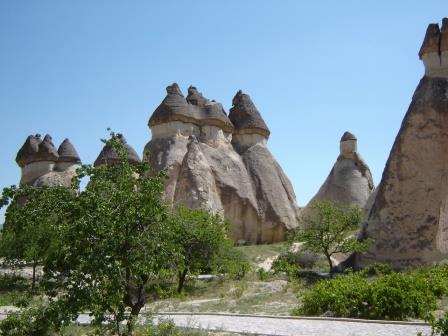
{"x":196,"y":110}
{"x":67,"y":152}
{"x":350,"y":180}
{"x":408,"y":221}
{"x":108,"y":154}
{"x":29,"y":151}
{"x":206,"y":170}
{"x":245,"y":116}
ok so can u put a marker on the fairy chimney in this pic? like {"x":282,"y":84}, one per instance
{"x":109,"y":155}
{"x":36,"y":158}
{"x":408,"y":221}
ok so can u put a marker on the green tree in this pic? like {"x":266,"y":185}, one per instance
{"x":329,"y":229}
{"x":201,"y":237}
{"x":112,"y":242}
{"x":31,"y":220}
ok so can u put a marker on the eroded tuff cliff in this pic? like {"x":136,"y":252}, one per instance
{"x":408,"y":222}
{"x":221,"y":163}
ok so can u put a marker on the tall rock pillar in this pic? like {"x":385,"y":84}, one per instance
{"x":408,"y":222}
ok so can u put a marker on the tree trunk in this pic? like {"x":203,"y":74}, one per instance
{"x":133,"y":318}
{"x":136,"y":299}
{"x":182,"y":276}
{"x":135,"y":310}
{"x":330,"y":264}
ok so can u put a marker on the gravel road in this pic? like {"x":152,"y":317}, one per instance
{"x":280,"y":326}
{"x":296,"y":327}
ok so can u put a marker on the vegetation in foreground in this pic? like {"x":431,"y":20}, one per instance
{"x":103,"y":248}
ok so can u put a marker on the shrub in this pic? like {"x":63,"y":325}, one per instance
{"x":397,"y":296}
{"x":436,"y":277}
{"x":394,"y":296}
{"x":439,"y":326}
{"x":285,"y":263}
{"x":262,"y":274}
{"x":9,"y":282}
{"x":340,"y":297}
{"x":377,"y":269}
{"x":232,"y":262}
{"x":292,"y":262}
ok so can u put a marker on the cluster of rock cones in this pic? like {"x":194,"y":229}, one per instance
{"x":221,"y":163}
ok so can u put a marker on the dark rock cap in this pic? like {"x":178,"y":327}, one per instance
{"x":195,"y":97}
{"x":47,"y":150}
{"x":29,"y":151}
{"x":195,"y":109}
{"x":444,"y":37}
{"x":245,"y":116}
{"x":348,"y":136}
{"x":431,"y":42}
{"x":108,"y":155}
{"x":67,"y":153}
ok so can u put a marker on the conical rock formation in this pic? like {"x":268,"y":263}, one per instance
{"x":350,"y":180}
{"x":108,"y":155}
{"x":192,"y":140}
{"x":408,"y":222}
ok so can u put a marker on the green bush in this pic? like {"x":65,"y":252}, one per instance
{"x":9,"y":282}
{"x":232,"y":262}
{"x":377,"y":269}
{"x":436,"y":277}
{"x":262,"y":274}
{"x":397,"y":296}
{"x":341,"y":297}
{"x":285,"y":263}
{"x":439,"y":326}
{"x":394,"y":296}
{"x":292,"y":262}
{"x":28,"y":322}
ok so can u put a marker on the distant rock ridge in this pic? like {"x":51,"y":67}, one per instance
{"x":408,"y":220}
{"x":221,"y":163}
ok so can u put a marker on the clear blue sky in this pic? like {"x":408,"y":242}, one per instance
{"x":313,"y":68}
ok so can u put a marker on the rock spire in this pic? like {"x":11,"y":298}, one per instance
{"x":408,"y":221}
{"x":350,"y":180}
